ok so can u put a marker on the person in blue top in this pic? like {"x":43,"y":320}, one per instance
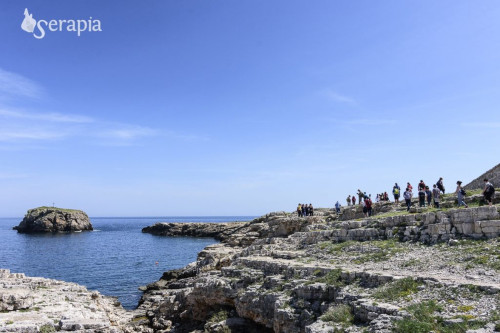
{"x":396,"y":192}
{"x":337,"y":207}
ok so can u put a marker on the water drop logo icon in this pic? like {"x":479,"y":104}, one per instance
{"x":29,"y":22}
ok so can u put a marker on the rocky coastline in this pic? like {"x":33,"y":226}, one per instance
{"x":397,"y":271}
{"x":52,"y":219}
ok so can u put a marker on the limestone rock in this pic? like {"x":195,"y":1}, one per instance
{"x":50,"y":219}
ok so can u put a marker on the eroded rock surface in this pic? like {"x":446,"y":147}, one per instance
{"x":282,"y":273}
{"x":50,"y":219}
{"x":32,"y":304}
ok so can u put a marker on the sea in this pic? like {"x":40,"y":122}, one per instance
{"x":114,"y":259}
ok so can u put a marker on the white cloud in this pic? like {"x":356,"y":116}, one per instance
{"x":10,"y":135}
{"x":128,"y":132}
{"x":51,"y":117}
{"x":12,"y":84}
{"x":336,"y":97}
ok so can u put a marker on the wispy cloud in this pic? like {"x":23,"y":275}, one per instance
{"x":12,"y":84}
{"x":127,"y":132}
{"x":334,"y":96}
{"x":24,"y":126}
{"x":29,"y":134}
{"x":51,"y":117}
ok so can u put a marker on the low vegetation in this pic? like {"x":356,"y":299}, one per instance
{"x":397,"y":289}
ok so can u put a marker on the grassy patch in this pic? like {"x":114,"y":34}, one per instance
{"x":397,"y":289}
{"x":423,"y":319}
{"x":485,"y":253}
{"x":332,"y":278}
{"x":340,"y":314}
{"x":375,"y":251}
{"x":47,"y":329}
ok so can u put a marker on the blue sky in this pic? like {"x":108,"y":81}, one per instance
{"x":243,"y":107}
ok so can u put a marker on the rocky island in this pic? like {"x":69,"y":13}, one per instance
{"x":52,"y":219}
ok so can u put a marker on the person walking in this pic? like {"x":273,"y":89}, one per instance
{"x":488,"y":192}
{"x":421,"y":197}
{"x":436,"y":193}
{"x":440,"y":184}
{"x":460,"y":192}
{"x":365,"y":210}
{"x":361,"y":196}
{"x":396,"y":192}
{"x":407,"y":195}
{"x":337,"y":207}
{"x":421,"y":185}
{"x":368,"y":204}
{"x":428,"y":194}
{"x":348,"y":200}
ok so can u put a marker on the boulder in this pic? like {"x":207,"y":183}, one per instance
{"x":51,"y":219}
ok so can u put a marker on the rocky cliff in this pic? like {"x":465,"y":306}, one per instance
{"x":31,"y":304}
{"x":493,"y":175}
{"x":51,"y":219}
{"x":418,"y":271}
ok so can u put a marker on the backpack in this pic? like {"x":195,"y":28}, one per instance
{"x":462,"y":192}
{"x":490,"y":190}
{"x":396,"y":190}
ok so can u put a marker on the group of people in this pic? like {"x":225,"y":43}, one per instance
{"x":305,"y":210}
{"x":426,"y":197}
{"x":382,"y":197}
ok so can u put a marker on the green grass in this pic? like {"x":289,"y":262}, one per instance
{"x":340,"y":314}
{"x":397,"y":289}
{"x":484,"y":253}
{"x":332,"y":278}
{"x":47,"y":329}
{"x":423,"y":319}
{"x":55,"y":208}
{"x":370,"y":251}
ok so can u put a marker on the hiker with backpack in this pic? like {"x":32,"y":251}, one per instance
{"x":361,"y":196}
{"x":421,"y":197}
{"x":337,"y":207}
{"x":436,"y":193}
{"x":440,"y":185}
{"x":348,"y":200}
{"x":354,"y":200}
{"x":299,"y":210}
{"x":311,"y":210}
{"x":396,"y":191}
{"x":407,"y":195}
{"x":460,"y":192}
{"x":488,"y":192}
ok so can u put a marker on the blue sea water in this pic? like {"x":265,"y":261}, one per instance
{"x":115,"y":259}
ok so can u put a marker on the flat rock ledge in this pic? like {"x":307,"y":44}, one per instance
{"x":34,"y":304}
{"x":219,"y":231}
{"x":51,"y":219}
